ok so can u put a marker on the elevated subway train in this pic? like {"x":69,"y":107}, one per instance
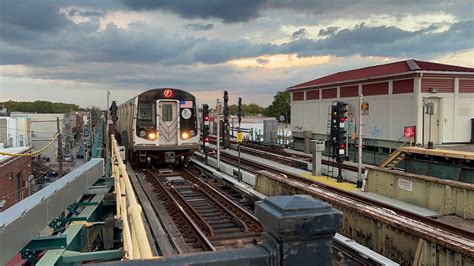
{"x":159,"y":126}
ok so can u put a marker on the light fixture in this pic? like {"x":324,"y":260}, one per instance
{"x":184,"y":135}
{"x":152,"y":136}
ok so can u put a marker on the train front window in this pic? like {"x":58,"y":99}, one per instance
{"x":145,"y":114}
{"x":167,"y":112}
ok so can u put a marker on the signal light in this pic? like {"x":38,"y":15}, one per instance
{"x":342,"y":146}
{"x":168,"y":93}
{"x":206,"y":139}
{"x":342,"y":119}
{"x":206,"y":118}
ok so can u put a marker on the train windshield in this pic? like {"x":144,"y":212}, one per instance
{"x":146,"y":114}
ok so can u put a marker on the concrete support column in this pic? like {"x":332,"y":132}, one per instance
{"x":302,"y":226}
{"x":307,"y":140}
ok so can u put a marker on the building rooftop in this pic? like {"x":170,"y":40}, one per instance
{"x":400,"y":67}
{"x":12,"y":150}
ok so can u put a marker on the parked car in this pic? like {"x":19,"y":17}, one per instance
{"x":80,"y":153}
{"x":45,"y":159}
{"x":68,"y":158}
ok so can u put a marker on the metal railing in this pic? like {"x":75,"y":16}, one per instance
{"x":135,"y":240}
{"x":398,"y":142}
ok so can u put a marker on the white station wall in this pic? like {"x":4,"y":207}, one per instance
{"x":388,"y":114}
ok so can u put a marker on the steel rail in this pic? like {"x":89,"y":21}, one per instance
{"x":226,"y":203}
{"x":193,"y":213}
{"x":200,"y":236}
{"x":447,"y":234}
{"x":296,"y":160}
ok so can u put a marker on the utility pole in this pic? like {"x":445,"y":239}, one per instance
{"x":60,"y":148}
{"x":108,"y":105}
{"x":218,"y":135}
{"x":359,"y":144}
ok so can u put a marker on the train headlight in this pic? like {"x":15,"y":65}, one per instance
{"x":152,"y":136}
{"x":142,"y":133}
{"x":185,"y":135}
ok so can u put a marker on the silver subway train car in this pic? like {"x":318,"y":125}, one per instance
{"x":159,"y":126}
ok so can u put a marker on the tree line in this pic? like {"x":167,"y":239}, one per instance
{"x":39,"y":107}
{"x":280,"y":106}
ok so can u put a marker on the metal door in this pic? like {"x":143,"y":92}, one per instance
{"x":432,"y":121}
{"x":167,"y":122}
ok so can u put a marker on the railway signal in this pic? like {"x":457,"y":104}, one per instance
{"x":226,"y":121}
{"x":240,"y":112}
{"x":239,"y":135}
{"x":333,"y":132}
{"x":205,"y":128}
{"x":341,"y":117}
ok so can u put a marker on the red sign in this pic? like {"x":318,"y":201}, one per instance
{"x":409,"y":131}
{"x":168,"y":93}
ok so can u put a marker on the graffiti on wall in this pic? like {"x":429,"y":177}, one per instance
{"x":375,"y":132}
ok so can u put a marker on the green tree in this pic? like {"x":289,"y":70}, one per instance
{"x":233,"y":109}
{"x":280,"y":106}
{"x":40,"y":107}
{"x":252,"y":109}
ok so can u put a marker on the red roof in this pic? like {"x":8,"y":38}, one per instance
{"x":381,"y":70}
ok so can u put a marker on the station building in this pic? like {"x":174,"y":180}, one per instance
{"x":397,"y":94}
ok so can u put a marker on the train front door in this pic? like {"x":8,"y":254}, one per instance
{"x":167,"y":122}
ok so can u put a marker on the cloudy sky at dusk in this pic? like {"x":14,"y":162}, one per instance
{"x":73,"y":51}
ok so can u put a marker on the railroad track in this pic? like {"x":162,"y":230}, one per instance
{"x":207,"y":219}
{"x":253,"y":166}
{"x":446,"y":235}
{"x":288,"y":158}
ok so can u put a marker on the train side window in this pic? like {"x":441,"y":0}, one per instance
{"x":167,"y":112}
{"x":145,"y":113}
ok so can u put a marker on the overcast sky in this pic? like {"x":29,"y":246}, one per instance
{"x":73,"y":51}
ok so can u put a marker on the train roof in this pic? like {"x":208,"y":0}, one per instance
{"x":158,"y":93}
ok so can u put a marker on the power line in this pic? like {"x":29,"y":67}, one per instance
{"x":30,"y":154}
{"x":40,"y":132}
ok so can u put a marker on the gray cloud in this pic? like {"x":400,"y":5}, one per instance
{"x":31,"y":15}
{"x":227,"y":10}
{"x":87,"y":13}
{"x":231,"y":11}
{"x":301,"y":33}
{"x":262,"y":61}
{"x":328,"y":31}
{"x":199,"y":26}
{"x":82,"y":43}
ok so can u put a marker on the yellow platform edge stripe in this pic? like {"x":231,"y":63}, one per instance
{"x":330,"y":181}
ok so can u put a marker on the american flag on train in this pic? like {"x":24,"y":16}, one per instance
{"x":186,"y":104}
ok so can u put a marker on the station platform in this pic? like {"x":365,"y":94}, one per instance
{"x":329,"y":181}
{"x":465,"y":152}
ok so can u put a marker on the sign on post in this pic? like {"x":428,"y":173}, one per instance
{"x":240,"y":136}
{"x":409,"y":132}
